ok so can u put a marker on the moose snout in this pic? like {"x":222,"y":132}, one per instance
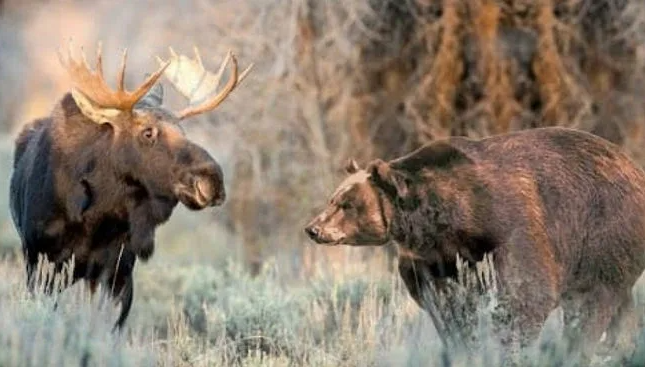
{"x":201,"y":187}
{"x":211,"y":191}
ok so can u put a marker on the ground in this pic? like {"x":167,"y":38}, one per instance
{"x":217,"y":314}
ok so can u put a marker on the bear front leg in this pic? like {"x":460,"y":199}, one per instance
{"x":529,"y":292}
{"x":419,"y":281}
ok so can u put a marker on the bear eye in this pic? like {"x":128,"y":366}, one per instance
{"x":346,"y":205}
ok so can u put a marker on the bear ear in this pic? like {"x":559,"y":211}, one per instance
{"x":383,"y":176}
{"x":351,"y":166}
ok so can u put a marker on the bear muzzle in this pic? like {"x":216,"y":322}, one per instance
{"x":312,"y":232}
{"x":319,"y":236}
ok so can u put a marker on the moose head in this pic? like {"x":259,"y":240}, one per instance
{"x":147,"y":145}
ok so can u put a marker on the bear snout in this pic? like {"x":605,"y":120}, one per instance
{"x":313,"y":232}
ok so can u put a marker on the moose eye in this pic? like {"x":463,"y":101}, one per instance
{"x":346,"y":205}
{"x":149,"y":135}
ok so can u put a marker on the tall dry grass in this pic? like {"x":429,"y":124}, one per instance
{"x":205,"y":315}
{"x":208,"y":316}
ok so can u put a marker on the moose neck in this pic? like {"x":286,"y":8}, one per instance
{"x":75,"y":133}
{"x":81,"y":151}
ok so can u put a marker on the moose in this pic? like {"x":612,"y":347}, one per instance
{"x":96,"y":178}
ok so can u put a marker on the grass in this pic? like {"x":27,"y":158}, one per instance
{"x":218,"y":315}
{"x":206,"y":315}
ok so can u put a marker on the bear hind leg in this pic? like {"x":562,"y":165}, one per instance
{"x":586,"y":317}
{"x":623,"y":327}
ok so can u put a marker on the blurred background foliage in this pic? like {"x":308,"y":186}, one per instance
{"x":337,"y":79}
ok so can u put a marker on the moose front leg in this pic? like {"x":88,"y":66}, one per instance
{"x":125,"y":297}
{"x":117,"y":281}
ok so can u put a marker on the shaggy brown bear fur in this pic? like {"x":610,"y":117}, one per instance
{"x":561,"y":211}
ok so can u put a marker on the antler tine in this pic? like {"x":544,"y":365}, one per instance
{"x":70,"y":57}
{"x":198,"y":57}
{"x":84,"y":58}
{"x":120,"y":80}
{"x":172,"y":52}
{"x":222,"y":67}
{"x":149,"y":82}
{"x":244,"y":74}
{"x":61,"y":59}
{"x":99,"y":61}
{"x":65,"y":60}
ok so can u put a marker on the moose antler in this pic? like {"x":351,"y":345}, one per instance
{"x":93,"y":86}
{"x":193,"y":81}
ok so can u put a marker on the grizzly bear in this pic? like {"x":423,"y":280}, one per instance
{"x":561,"y":212}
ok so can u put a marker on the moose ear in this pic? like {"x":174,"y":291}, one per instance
{"x":154,"y":97}
{"x":97,"y":114}
{"x":351,"y":166}
{"x":392,"y":182}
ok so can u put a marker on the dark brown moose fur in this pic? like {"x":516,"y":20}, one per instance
{"x":561,"y":211}
{"x":98,"y":191}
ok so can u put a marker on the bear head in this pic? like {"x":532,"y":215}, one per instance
{"x":360,"y":211}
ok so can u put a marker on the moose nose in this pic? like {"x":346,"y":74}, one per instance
{"x":312,"y":232}
{"x":210,"y":191}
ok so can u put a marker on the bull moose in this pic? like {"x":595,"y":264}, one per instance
{"x":97,"y":177}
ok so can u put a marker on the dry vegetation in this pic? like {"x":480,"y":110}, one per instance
{"x":221,"y":315}
{"x":333,"y":79}
{"x":202,"y":315}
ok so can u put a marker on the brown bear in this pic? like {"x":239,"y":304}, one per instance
{"x":561,"y":212}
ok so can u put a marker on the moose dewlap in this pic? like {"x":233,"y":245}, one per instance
{"x":562,"y":212}
{"x":96,"y":178}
